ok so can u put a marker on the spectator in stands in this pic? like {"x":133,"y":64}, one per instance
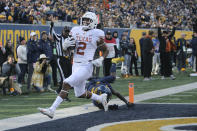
{"x":141,"y":14}
{"x":165,"y":48}
{"x":181,"y":52}
{"x":127,"y":49}
{"x":115,"y":35}
{"x":22,"y":59}
{"x":123,"y":42}
{"x":111,"y":45}
{"x":33,"y":53}
{"x":134,"y":57}
{"x":2,"y":56}
{"x":9,"y":48}
{"x":44,"y":45}
{"x":194,"y":48}
{"x":41,"y":79}
{"x":156,"y":57}
{"x":141,"y":41}
{"x":148,"y":52}
{"x":53,"y":61}
{"x":11,"y":69}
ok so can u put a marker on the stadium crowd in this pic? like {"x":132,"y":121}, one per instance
{"x":112,"y":13}
{"x":159,"y":50}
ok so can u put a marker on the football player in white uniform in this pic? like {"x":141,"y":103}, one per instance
{"x":85,"y":38}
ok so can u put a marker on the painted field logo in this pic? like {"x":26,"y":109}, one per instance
{"x":166,"y":124}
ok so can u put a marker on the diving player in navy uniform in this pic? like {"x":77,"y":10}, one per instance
{"x":102,"y":85}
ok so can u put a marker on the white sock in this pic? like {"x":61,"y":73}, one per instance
{"x":96,"y":97}
{"x":56,"y":103}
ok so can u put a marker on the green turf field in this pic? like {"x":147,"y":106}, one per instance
{"x":183,"y":97}
{"x":11,"y":106}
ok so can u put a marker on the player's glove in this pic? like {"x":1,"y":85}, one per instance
{"x":68,"y":42}
{"x":98,"y":62}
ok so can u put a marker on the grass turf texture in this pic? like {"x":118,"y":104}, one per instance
{"x":11,"y":106}
{"x":183,"y":97}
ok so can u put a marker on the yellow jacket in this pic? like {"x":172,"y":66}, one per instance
{"x":38,"y":76}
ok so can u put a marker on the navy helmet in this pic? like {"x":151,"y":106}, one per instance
{"x":101,"y":89}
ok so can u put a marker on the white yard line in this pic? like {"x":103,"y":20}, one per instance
{"x":72,"y":111}
{"x":182,"y":95}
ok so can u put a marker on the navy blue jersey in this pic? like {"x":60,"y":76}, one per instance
{"x":100,"y":86}
{"x":100,"y":81}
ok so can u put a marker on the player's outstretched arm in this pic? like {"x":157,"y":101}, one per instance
{"x":121,"y":97}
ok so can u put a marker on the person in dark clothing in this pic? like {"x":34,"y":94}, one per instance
{"x":53,"y":61}
{"x":141,"y":52}
{"x":194,"y":46}
{"x":9,"y":49}
{"x":64,"y":58}
{"x":123,"y":46}
{"x":11,"y":70}
{"x":181,"y":52}
{"x":127,"y":51}
{"x":103,"y":85}
{"x":33,"y":53}
{"x":44,"y":45}
{"x":134,"y":57}
{"x":2,"y":56}
{"x":46,"y":49}
{"x":165,"y":49}
{"x":148,"y":52}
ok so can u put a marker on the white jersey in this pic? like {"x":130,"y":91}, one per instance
{"x":86,"y":43}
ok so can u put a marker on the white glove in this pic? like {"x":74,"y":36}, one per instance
{"x":98,"y":62}
{"x":68,"y":42}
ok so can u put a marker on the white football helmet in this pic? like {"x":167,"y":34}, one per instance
{"x":91,"y":24}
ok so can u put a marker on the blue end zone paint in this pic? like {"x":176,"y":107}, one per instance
{"x":140,"y":111}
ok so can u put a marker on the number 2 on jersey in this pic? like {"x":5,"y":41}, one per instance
{"x":81,"y":48}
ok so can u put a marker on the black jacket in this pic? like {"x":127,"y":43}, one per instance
{"x":194,"y":46}
{"x":147,"y":46}
{"x":123,"y":45}
{"x":162,"y":40}
{"x":2,"y":57}
{"x":141,"y":45}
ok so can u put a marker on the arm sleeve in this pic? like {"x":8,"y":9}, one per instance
{"x":5,"y":69}
{"x":38,"y":67}
{"x":159,"y":33}
{"x":52,"y":32}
